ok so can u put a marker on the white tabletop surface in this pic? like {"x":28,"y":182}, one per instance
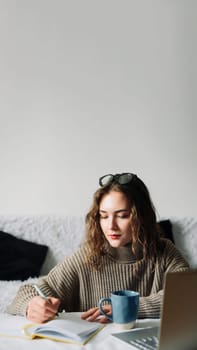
{"x":103,"y":340}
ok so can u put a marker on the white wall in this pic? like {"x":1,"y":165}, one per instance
{"x":91,"y":87}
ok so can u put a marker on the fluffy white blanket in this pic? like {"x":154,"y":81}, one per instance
{"x":61,"y":234}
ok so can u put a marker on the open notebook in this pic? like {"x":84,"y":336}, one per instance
{"x":65,"y":330}
{"x":178,"y":330}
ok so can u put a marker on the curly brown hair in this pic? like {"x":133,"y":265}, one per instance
{"x":145,"y":236}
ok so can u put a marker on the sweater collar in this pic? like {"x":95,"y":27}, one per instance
{"x":122,"y":254}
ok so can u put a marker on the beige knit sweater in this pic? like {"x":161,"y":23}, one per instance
{"x":80,"y":287}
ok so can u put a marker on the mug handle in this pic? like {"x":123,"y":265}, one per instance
{"x":101,"y":301}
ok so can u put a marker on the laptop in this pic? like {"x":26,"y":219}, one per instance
{"x":178,"y":327}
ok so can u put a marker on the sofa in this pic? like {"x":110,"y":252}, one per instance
{"x":58,"y":236}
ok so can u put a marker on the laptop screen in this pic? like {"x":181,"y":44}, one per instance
{"x":178,"y":329}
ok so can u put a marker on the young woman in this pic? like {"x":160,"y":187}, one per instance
{"x":122,"y":250}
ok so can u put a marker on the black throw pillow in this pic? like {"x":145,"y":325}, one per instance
{"x":166,"y":229}
{"x":20,"y":259}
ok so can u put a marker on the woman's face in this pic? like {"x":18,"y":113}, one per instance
{"x":115,"y":218}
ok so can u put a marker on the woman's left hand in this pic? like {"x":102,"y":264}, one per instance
{"x":94,"y":314}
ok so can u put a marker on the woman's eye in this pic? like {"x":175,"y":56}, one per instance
{"x":103,"y":217}
{"x":125,"y":216}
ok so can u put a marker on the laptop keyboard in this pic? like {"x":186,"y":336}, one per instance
{"x":148,"y":343}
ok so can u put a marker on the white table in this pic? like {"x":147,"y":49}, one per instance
{"x":102,"y":341}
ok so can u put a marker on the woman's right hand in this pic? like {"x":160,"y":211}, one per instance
{"x":40,"y":310}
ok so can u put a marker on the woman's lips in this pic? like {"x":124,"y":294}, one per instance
{"x":114,"y":236}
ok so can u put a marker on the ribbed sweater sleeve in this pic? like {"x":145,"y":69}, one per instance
{"x":170,"y":261}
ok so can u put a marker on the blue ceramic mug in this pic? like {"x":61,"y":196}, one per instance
{"x":125,"y":305}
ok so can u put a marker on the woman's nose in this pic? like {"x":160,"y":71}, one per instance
{"x":112,"y":223}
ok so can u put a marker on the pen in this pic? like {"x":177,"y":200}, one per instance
{"x":41,"y":294}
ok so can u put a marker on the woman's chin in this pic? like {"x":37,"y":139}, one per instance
{"x":115,"y":243}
